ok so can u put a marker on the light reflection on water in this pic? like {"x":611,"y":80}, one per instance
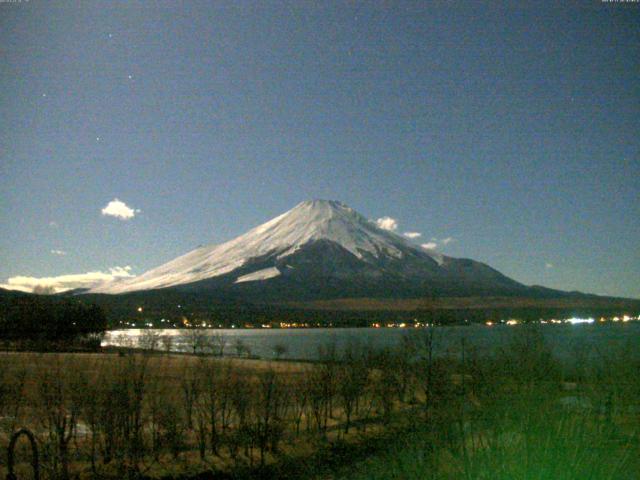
{"x":566,"y":341}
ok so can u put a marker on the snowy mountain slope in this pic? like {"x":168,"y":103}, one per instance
{"x":316,"y":242}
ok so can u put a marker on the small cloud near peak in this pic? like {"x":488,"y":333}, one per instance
{"x":387,"y":223}
{"x":412,"y":235}
{"x":119,"y":209}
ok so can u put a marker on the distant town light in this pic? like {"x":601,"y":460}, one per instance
{"x":575,"y":321}
{"x":140,"y":309}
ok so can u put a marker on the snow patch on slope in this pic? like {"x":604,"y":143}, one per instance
{"x":263,"y":274}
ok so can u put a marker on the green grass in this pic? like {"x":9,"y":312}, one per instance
{"x":519,"y":419}
{"x":556,"y":446}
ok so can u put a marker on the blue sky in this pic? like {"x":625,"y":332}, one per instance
{"x":511,"y":132}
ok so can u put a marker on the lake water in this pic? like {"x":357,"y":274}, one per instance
{"x":566,"y":341}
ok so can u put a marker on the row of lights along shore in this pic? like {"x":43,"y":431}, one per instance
{"x":184,"y":322}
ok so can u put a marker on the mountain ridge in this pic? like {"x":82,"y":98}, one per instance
{"x":322,"y":249}
{"x":282,"y":236}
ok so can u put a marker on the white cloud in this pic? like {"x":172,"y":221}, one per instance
{"x":429,"y":245}
{"x":435,"y":241}
{"x":118,"y":209}
{"x":412,"y":234}
{"x":548,"y":265}
{"x":387,"y":223}
{"x":58,"y":252}
{"x":65,"y":282}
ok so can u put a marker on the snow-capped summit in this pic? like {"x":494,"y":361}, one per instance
{"x":317,"y":242}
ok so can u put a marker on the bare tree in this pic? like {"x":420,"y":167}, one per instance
{"x":270,"y":407}
{"x":197,"y":341}
{"x":241,"y":348}
{"x":299,"y":394}
{"x":318,"y":392}
{"x":205,"y":408}
{"x":12,"y":386}
{"x":402,"y":357}
{"x":327,"y":367}
{"x":125,"y":341}
{"x":167,"y":343}
{"x":280,"y":350}
{"x":352,"y":376}
{"x":239,"y":390}
{"x":385,"y":384}
{"x":190,"y":384}
{"x":218,"y":342}
{"x":171,"y":425}
{"x":89,"y":397}
{"x":123,"y":418}
{"x":60,"y":408}
{"x":149,"y":340}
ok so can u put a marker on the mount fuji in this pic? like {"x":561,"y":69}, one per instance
{"x":321,"y":249}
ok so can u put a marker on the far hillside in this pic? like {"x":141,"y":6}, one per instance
{"x":49,"y":322}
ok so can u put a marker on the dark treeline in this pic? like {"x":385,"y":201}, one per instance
{"x":42,"y":321}
{"x":176,"y":310}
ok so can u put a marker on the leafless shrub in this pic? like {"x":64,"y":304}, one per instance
{"x":238,"y":390}
{"x":241,"y":348}
{"x":269,"y":410}
{"x":280,"y":350}
{"x":190,"y":384}
{"x":299,"y":394}
{"x":352,"y":376}
{"x":12,"y":386}
{"x":122,"y":420}
{"x":218,"y":344}
{"x":167,"y":343}
{"x":197,"y":341}
{"x":171,"y":425}
{"x":149,"y":340}
{"x":60,"y":403}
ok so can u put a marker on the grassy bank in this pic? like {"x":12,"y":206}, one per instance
{"x":522,"y":415}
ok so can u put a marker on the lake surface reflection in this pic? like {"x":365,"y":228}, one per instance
{"x":566,"y":341}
